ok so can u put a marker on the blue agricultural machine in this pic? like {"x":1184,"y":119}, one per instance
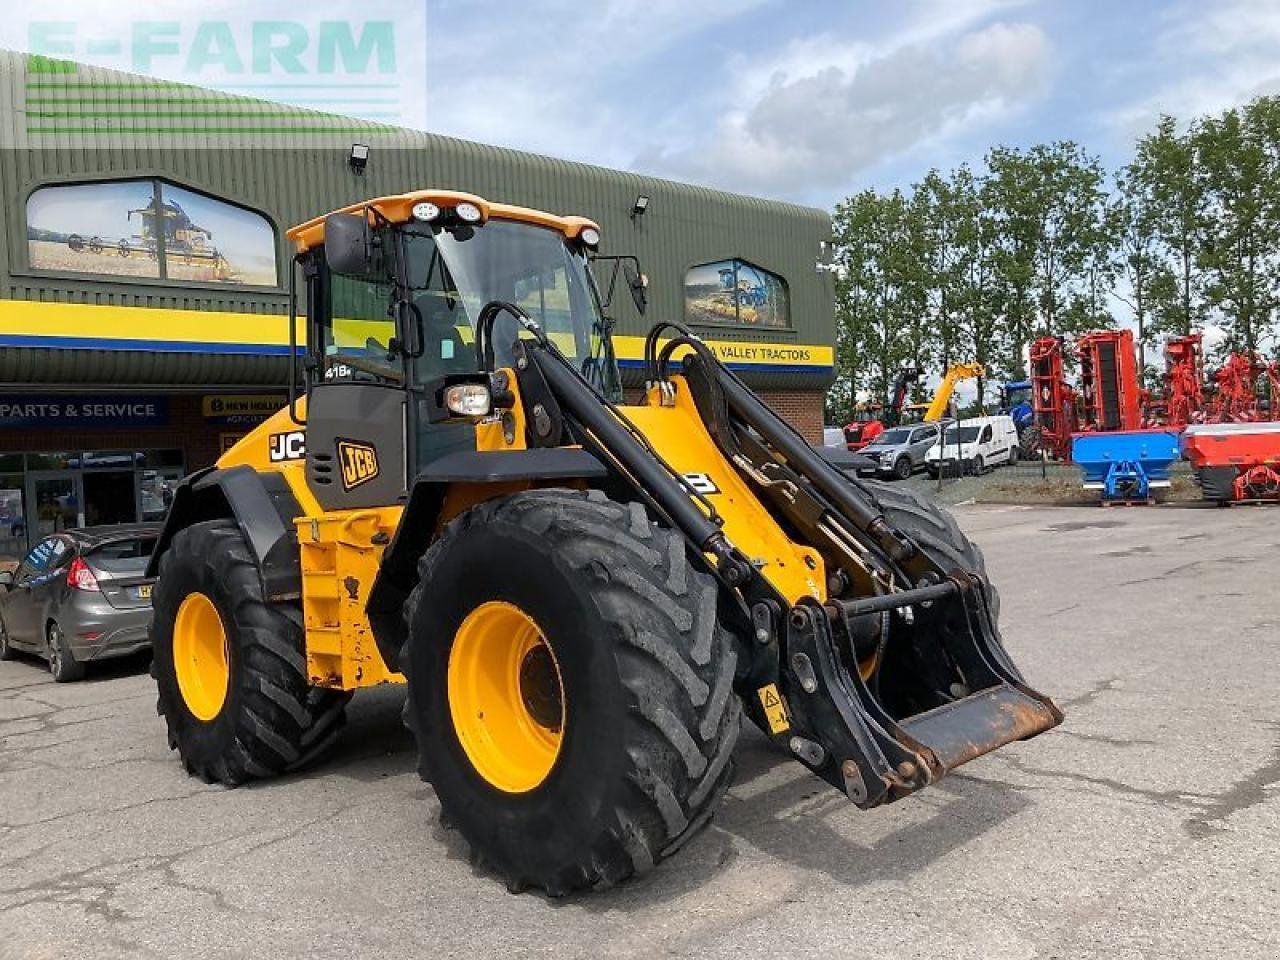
{"x":1125,"y":466}
{"x":1015,"y":400}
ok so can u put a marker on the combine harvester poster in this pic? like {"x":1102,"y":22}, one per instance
{"x":148,"y":229}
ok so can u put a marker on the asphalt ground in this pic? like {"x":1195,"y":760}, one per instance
{"x":1148,"y":825}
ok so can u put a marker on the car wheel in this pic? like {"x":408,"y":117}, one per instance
{"x":6,"y":651}
{"x":979,"y":466}
{"x":1013,"y":456}
{"x":902,"y":468}
{"x":62,"y":663}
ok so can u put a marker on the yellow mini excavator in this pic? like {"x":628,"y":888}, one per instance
{"x":582,"y":597}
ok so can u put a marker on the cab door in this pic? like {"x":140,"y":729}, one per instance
{"x":356,"y":401}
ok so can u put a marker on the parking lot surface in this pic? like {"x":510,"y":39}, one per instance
{"x":1148,"y":825}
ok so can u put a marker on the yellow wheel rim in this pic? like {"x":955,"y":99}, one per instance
{"x":200,"y":656}
{"x":506,"y":697}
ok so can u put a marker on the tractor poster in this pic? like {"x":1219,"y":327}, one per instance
{"x":148,"y":229}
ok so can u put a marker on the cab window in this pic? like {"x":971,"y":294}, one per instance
{"x":986,"y":434}
{"x":359,"y":331}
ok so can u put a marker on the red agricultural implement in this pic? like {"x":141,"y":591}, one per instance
{"x":1109,"y":388}
{"x":1236,"y":399}
{"x":1235,"y":462}
{"x":1053,"y":400}
{"x":867,"y":426}
{"x":1184,"y":381}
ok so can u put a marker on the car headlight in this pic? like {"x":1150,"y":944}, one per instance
{"x":468,"y":212}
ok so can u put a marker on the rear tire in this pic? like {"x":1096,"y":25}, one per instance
{"x":649,"y":715}
{"x":6,"y":649}
{"x":62,"y":662}
{"x":271,"y":719}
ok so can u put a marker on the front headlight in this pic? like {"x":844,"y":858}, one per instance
{"x":425,"y":211}
{"x":468,"y":400}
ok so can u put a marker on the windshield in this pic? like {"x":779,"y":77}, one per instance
{"x":454,"y":275}
{"x":891,"y":438}
{"x":128,"y":557}
{"x":966,"y":435}
{"x":451,"y":276}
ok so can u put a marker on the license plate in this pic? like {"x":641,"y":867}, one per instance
{"x":144,"y":592}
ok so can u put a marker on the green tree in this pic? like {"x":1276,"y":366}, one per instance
{"x":1049,"y":206}
{"x":1164,"y":173}
{"x":1238,"y":171}
{"x":1132,"y":220}
{"x":881,"y":295}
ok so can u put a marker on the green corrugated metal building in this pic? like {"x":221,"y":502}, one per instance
{"x":143,"y":272}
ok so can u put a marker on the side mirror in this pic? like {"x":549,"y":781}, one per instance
{"x":638,"y":283}
{"x":6,"y":579}
{"x":348,"y":244}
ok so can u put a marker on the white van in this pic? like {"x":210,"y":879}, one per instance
{"x":978,"y":444}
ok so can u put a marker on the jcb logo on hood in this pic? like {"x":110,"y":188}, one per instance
{"x":359,"y":463}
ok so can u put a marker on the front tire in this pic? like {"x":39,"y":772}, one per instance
{"x":902,"y":468}
{"x":229,"y":666}
{"x":643,"y":688}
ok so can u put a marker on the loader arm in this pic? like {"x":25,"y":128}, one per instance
{"x":867,"y":656}
{"x":955,"y":373}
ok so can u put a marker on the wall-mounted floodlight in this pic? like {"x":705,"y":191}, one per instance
{"x":640,"y":206}
{"x":359,"y":158}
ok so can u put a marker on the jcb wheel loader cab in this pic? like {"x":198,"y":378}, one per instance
{"x":575,"y":713}
{"x":583,"y":597}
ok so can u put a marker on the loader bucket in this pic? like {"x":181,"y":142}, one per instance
{"x":879,"y":745}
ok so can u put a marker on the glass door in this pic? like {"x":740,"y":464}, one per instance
{"x":55,"y":501}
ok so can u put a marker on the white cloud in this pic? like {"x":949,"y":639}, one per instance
{"x":1220,"y":54}
{"x":816,"y":127}
{"x":545,"y":77}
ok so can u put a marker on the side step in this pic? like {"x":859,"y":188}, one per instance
{"x":980,"y":723}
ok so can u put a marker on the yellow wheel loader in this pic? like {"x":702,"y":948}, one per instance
{"x":583,"y":597}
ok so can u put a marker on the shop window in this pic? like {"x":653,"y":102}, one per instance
{"x":735,"y":291}
{"x":148,"y":229}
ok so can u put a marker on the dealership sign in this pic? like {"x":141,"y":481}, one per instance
{"x":369,"y":64}
{"x":241,"y":409}
{"x":27,"y":411}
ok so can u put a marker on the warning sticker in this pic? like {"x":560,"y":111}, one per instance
{"x":775,"y":709}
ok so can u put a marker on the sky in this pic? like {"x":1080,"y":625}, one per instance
{"x":801,"y":100}
{"x":811,"y":101}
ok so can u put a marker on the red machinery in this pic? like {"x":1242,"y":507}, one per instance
{"x":1236,"y":400}
{"x":1184,"y":380}
{"x":1235,"y":461}
{"x":1109,"y":381}
{"x":1053,"y":400}
{"x":866,"y":427}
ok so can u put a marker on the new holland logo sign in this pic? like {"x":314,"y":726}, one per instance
{"x":359,"y":463}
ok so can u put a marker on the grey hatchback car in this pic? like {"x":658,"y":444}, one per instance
{"x":79,"y":595}
{"x":899,"y":452}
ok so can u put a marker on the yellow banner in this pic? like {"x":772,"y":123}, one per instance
{"x":94,"y":327}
